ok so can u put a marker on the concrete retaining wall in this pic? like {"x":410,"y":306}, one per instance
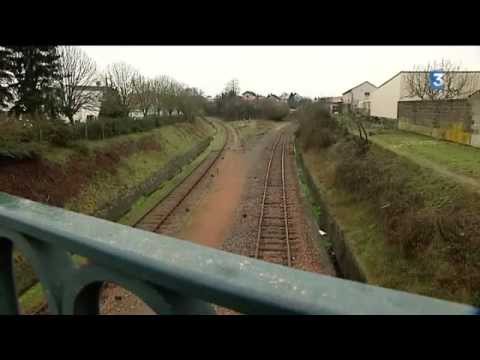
{"x":346,"y":260}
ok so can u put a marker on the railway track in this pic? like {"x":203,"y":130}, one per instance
{"x":156,"y":219}
{"x":275,"y":236}
{"x":159,"y":219}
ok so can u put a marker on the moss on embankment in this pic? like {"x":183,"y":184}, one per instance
{"x":90,"y":176}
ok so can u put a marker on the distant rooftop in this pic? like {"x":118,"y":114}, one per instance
{"x":365,"y":82}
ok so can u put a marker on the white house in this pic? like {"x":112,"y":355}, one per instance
{"x":359,"y":95}
{"x":137,"y":113}
{"x":384,"y":101}
{"x":91,"y":111}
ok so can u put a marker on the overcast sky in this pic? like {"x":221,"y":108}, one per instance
{"x":309,"y":70}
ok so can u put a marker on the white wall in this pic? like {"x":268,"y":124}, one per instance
{"x":347,"y":98}
{"x":92,"y":109}
{"x":358,"y":94}
{"x":82,"y":114}
{"x":384,"y":100}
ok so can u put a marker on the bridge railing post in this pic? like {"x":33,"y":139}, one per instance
{"x":173,"y":276}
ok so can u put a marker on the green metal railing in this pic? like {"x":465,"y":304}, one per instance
{"x":172,"y":276}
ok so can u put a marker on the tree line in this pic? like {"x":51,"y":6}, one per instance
{"x":231,"y":106}
{"x":56,"y":81}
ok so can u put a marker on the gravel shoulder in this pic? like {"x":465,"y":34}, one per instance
{"x":223,"y":209}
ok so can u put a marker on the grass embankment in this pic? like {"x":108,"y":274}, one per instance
{"x":408,"y":227}
{"x":138,"y":167}
{"x":381,"y":262}
{"x":461,"y":159}
{"x":452,"y":159}
{"x":146,"y":203}
{"x":135,"y":158}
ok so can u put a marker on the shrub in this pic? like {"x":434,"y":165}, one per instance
{"x":382,"y":179}
{"x":34,"y":128}
{"x":22,"y":151}
{"x":234,"y":108}
{"x":81,"y":149}
{"x":272,"y":110}
{"x":15,"y":130}
{"x":459,"y":228}
{"x":414,"y":230}
{"x":59,"y":133}
{"x":318,"y":129}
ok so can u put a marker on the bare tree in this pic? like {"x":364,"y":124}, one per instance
{"x":143,"y":94}
{"x":172,"y":95}
{"x":78,"y":71}
{"x":456,"y":82}
{"x":159,"y":88}
{"x":120,"y":76}
{"x":232,"y":88}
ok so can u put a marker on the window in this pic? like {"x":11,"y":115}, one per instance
{"x":90,"y":117}
{"x":367,"y":93}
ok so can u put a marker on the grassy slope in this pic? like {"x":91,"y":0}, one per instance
{"x":382,"y":262}
{"x":131,"y":171}
{"x":137,"y":168}
{"x":145,"y":204}
{"x":458,"y":158}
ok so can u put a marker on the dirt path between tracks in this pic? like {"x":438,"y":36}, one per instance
{"x":222,"y":210}
{"x":209,"y":222}
{"x":211,"y":209}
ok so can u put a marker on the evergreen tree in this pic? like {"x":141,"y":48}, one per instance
{"x":6,"y":77}
{"x":111,"y":104}
{"x":36,"y":71}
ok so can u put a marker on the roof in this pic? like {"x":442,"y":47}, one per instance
{"x":249,"y":92}
{"x":365,"y":82}
{"x":331,"y":99}
{"x":410,"y":72}
{"x":393,"y":77}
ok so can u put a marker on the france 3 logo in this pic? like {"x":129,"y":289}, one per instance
{"x":437,"y":80}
